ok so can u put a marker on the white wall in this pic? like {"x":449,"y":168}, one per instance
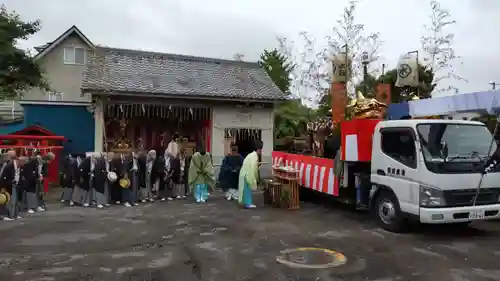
{"x":232,"y":117}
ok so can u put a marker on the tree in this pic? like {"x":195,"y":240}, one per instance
{"x":291,"y":116}
{"x":398,"y":94}
{"x":278,"y":68}
{"x":18,"y":70}
{"x":438,"y":51}
{"x":314,"y":64}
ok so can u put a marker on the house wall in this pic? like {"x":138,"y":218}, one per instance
{"x":75,"y":123}
{"x":62,"y":78}
{"x":231,"y":117}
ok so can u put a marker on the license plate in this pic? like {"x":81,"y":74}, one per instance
{"x":477,"y":215}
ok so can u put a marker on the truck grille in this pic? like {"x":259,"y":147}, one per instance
{"x":458,"y":198}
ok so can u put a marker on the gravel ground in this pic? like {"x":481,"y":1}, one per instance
{"x":184,"y":241}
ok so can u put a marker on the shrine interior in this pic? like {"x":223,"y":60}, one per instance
{"x":152,"y":126}
{"x":244,"y":139}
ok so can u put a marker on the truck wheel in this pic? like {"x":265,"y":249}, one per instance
{"x":387,"y":212}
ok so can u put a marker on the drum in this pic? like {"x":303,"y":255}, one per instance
{"x":124,"y":183}
{"x":112,"y":177}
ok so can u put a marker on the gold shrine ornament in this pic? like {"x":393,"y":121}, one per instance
{"x":4,"y":197}
{"x":363,"y":108}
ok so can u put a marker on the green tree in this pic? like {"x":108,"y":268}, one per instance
{"x":291,"y":116}
{"x":18,"y":70}
{"x":398,"y":94}
{"x":278,"y":68}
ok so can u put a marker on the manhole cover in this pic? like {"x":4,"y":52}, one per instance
{"x":311,"y":258}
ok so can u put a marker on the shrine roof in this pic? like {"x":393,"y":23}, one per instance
{"x":115,"y":71}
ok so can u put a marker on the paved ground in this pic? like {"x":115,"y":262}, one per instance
{"x":185,"y":241}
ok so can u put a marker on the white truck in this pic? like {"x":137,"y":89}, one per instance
{"x":429,"y":171}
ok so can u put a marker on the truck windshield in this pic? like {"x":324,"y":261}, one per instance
{"x":465,"y":144}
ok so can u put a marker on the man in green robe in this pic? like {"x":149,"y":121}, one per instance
{"x":201,"y":174}
{"x":249,"y":177}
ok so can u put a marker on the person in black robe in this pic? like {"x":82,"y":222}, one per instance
{"x":85,"y":182}
{"x":179,"y":167}
{"x":134,"y":172}
{"x":160,"y":178}
{"x":32,"y":173}
{"x":144,"y":193}
{"x":100,"y":181}
{"x":127,"y":192}
{"x":229,"y":173}
{"x":10,"y":178}
{"x":117,"y":166}
{"x":67,"y":179}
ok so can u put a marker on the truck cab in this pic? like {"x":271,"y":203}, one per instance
{"x":431,"y":171}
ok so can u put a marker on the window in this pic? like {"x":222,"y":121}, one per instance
{"x":74,"y":55}
{"x":53,"y":96}
{"x":399,"y":144}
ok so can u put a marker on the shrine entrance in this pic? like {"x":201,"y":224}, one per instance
{"x":152,"y":126}
{"x":244,"y":139}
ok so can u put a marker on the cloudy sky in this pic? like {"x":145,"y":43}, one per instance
{"x":221,"y":28}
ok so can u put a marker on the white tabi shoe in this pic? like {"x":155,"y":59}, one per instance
{"x":100,"y":206}
{"x":40,"y":209}
{"x":151,"y":200}
{"x":136,"y":204}
{"x":7,"y":219}
{"x":163,"y":199}
{"x":30,"y":211}
{"x":127,"y":204}
{"x":118,"y":202}
{"x":19,"y":217}
{"x":86,"y":205}
{"x":203,"y":200}
{"x":143,"y":200}
{"x":63,"y":201}
{"x":252,"y":206}
{"x":178,"y":197}
{"x":71,"y":203}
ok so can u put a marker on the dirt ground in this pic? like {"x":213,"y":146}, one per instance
{"x":183,"y":241}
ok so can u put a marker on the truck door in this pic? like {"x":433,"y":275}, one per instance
{"x":396,"y":165}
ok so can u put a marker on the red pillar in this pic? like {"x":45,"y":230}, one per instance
{"x":207,"y":134}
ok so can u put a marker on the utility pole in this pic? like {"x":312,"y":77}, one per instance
{"x":365,"y":60}
{"x":493,"y":85}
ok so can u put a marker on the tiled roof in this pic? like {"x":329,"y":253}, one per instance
{"x":132,"y":71}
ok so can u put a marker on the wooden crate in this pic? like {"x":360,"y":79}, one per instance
{"x":289,"y":188}
{"x":272,"y":193}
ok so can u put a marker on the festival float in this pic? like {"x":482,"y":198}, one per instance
{"x":409,"y":169}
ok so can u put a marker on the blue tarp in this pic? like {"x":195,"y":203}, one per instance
{"x":480,"y":102}
{"x":396,"y":111}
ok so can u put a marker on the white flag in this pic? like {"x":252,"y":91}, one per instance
{"x":341,"y":71}
{"x":407,"y":71}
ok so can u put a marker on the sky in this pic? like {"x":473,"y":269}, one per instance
{"x":222,"y":28}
